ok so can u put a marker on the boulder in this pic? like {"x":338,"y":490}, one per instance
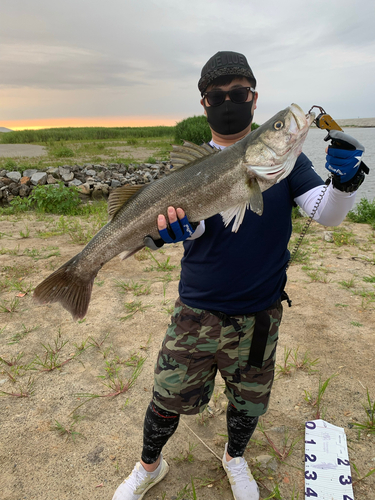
{"x":51,"y":179}
{"x":38,"y":179}
{"x":25,"y":180}
{"x":30,"y":172}
{"x":24,"y":190}
{"x":67,"y":177}
{"x":14,"y":176}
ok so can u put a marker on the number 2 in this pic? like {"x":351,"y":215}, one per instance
{"x":346,"y":497}
{"x":311,"y":458}
{"x":343,"y":462}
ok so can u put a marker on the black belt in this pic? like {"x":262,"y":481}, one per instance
{"x":261,"y":329}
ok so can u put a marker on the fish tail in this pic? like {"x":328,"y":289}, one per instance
{"x":66,"y":287}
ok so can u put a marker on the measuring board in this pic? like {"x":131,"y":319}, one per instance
{"x":327,"y":467}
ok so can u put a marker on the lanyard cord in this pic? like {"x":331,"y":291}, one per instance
{"x":307,"y":225}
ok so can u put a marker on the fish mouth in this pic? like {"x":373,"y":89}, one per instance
{"x":302,"y":120}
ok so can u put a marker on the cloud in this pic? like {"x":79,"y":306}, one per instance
{"x":146,"y":56}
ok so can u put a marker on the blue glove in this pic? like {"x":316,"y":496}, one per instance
{"x":179,"y":230}
{"x":344,"y":155}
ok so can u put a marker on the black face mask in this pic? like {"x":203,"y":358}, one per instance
{"x":229,"y":118}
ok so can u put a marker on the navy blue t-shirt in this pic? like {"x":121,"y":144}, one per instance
{"x":245,"y":272}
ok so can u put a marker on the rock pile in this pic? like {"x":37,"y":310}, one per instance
{"x":92,"y":181}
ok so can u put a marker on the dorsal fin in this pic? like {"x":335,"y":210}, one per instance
{"x":189,"y":152}
{"x":120,"y":196}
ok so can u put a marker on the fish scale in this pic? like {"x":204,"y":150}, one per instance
{"x":225,"y":182}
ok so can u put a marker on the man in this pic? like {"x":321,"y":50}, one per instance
{"x":229,"y":310}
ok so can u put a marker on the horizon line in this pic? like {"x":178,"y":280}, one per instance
{"x":102,"y":121}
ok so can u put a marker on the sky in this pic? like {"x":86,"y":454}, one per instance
{"x":138,"y":62}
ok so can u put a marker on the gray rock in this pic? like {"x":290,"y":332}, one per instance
{"x":51,"y":179}
{"x":14,"y":176}
{"x":115,"y":183}
{"x":14,"y":188}
{"x":75,"y":182}
{"x":39,"y":178}
{"x":64,"y":171}
{"x":328,"y":236}
{"x":67,"y":177}
{"x":29,"y":172}
{"x":54,"y":171}
{"x":24,"y":190}
{"x":90,"y":172}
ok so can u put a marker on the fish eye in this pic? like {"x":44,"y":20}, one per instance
{"x":278,"y":125}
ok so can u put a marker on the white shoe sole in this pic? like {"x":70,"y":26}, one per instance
{"x":163,"y":473}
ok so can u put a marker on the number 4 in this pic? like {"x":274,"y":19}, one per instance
{"x":311,"y":493}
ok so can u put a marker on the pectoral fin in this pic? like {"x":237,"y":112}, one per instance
{"x":256,"y":197}
{"x":237,"y":212}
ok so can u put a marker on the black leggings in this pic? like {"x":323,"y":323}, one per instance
{"x":160,"y":425}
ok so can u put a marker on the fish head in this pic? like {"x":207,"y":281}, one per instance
{"x":273,"y":148}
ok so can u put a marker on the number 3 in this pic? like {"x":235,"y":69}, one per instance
{"x":345,"y":481}
{"x":311,"y":476}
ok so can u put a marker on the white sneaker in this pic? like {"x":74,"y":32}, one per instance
{"x":140,"y":481}
{"x":244,"y":486}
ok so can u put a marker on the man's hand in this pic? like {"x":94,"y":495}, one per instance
{"x":343,"y":156}
{"x":178,"y":229}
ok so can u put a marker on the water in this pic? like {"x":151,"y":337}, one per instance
{"x":315,"y":145}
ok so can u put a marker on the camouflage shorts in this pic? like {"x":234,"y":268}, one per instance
{"x":196,"y":345}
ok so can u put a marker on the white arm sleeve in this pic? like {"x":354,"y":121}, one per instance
{"x":333,"y":207}
{"x":198,"y":232}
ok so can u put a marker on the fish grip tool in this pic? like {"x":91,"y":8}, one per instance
{"x":323,"y":121}
{"x":326,"y":122}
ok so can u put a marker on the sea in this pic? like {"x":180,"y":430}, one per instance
{"x":315,"y":146}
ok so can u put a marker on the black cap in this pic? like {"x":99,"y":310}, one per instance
{"x":224,"y":63}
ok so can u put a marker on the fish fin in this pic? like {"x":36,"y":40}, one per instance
{"x":188,"y":153}
{"x":256,"y":197}
{"x":120,"y":196}
{"x":63,"y":286}
{"x":128,"y":253}
{"x":237,"y":212}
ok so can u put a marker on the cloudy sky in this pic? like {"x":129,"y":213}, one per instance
{"x":125,"y":62}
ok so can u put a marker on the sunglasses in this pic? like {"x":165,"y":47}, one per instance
{"x":237,"y":95}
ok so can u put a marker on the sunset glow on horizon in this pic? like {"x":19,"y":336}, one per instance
{"x":102,"y":121}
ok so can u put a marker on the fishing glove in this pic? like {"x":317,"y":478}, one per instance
{"x":344,"y":156}
{"x":177,"y":231}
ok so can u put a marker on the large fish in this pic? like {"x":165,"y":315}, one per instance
{"x":205,"y":182}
